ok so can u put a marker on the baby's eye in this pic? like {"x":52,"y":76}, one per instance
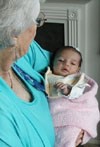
{"x":61,"y":60}
{"x":73,"y":63}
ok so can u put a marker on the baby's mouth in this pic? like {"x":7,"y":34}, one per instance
{"x":65,"y":70}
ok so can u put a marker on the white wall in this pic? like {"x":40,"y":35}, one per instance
{"x":92,"y":43}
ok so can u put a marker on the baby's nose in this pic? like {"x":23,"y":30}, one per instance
{"x":66,"y":63}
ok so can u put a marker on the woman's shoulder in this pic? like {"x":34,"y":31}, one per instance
{"x":36,"y":57}
{"x":34,"y":46}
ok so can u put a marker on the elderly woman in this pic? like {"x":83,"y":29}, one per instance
{"x":25,"y":120}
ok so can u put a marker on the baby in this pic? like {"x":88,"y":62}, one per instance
{"x":72,"y":98}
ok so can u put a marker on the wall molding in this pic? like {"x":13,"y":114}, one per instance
{"x":70,"y":18}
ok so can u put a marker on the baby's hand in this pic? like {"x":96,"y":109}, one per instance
{"x":63,"y":88}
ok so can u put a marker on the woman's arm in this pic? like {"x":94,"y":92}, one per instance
{"x":79,"y":138}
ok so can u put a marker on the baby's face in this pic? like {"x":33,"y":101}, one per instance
{"x":66,"y":63}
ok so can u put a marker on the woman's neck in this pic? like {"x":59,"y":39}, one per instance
{"x":17,"y":85}
{"x":6,"y":75}
{"x":6,"y":59}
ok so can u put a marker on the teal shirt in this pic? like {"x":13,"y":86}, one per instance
{"x":26,"y":124}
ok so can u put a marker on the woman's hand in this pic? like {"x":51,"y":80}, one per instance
{"x":79,"y":138}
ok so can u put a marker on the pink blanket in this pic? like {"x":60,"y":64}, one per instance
{"x":71,"y":116}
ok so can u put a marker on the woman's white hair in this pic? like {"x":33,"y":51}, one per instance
{"x":15,"y":17}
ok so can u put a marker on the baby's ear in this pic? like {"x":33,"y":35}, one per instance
{"x":79,"y":68}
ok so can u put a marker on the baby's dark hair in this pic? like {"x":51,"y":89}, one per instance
{"x":57,"y":51}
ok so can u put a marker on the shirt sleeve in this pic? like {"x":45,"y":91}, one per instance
{"x":38,"y":57}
